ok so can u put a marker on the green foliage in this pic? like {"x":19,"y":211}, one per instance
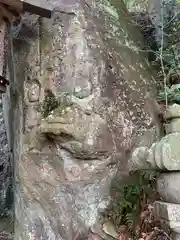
{"x":173,"y":94}
{"x":165,"y":55}
{"x":171,"y":52}
{"x":129,"y":199}
{"x":168,"y":57}
{"x":51,"y":103}
{"x":136,"y":5}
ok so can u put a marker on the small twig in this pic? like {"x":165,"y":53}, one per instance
{"x":170,"y":21}
{"x":168,"y":75}
{"x":160,"y":231}
{"x":40,"y":45}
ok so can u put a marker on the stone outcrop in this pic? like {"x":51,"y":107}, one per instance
{"x":78,"y":111}
{"x":78,"y":114}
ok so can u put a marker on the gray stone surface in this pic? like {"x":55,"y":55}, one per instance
{"x":175,"y":236}
{"x":173,"y":126}
{"x":172,"y":111}
{"x":164,"y":155}
{"x":91,"y":63}
{"x":169,"y":214}
{"x":174,"y":226}
{"x":168,"y":186}
{"x":167,"y":211}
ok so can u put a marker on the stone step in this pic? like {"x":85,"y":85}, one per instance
{"x":169,"y":214}
{"x":168,"y":186}
{"x":175,"y":236}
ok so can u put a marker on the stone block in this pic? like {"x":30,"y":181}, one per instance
{"x":169,"y":213}
{"x":175,"y":236}
{"x":165,"y":154}
{"x":173,"y":126}
{"x":173,"y":111}
{"x":168,"y":187}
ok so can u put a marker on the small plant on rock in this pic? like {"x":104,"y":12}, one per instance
{"x":131,"y":205}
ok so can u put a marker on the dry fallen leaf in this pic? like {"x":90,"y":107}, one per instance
{"x":123,"y":236}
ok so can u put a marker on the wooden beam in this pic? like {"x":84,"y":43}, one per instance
{"x":38,"y":7}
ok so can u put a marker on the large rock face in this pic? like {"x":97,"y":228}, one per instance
{"x":80,"y":90}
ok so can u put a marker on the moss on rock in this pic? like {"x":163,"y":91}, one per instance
{"x":50,"y":103}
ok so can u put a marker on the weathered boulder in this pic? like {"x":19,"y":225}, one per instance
{"x":79,"y":109}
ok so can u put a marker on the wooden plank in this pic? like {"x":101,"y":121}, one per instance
{"x":39,"y":7}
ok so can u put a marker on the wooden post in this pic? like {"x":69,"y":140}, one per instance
{"x":38,"y":7}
